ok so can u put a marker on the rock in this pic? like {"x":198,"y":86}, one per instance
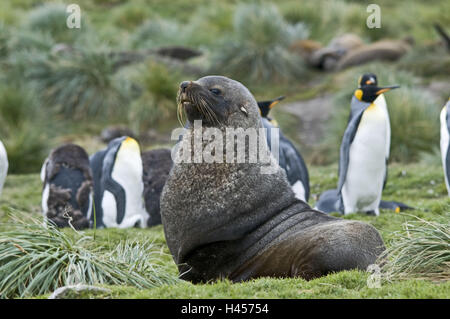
{"x":313,"y":116}
{"x":179,"y":52}
{"x":79,"y":292}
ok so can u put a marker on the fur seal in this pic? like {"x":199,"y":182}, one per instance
{"x":383,"y":50}
{"x":68,"y":187}
{"x":231,"y":220}
{"x":157,"y":164}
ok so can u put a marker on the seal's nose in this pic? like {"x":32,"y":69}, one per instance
{"x":184,"y":85}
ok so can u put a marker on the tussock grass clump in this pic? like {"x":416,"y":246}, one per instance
{"x":36,"y":259}
{"x":420,"y":251}
{"x":159,"y":86}
{"x":208,"y":24}
{"x":79,"y":83}
{"x":4,"y":37}
{"x":51,"y":18}
{"x":29,"y":41}
{"x":414,"y":124}
{"x":23,"y":129}
{"x":131,"y":14}
{"x":427,"y":62}
{"x":257,"y":49}
{"x":158,"y":32}
{"x":325,"y":19}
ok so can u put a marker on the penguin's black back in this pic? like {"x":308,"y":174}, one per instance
{"x":295,"y":165}
{"x":289,"y":159}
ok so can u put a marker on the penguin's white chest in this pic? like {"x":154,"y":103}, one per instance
{"x":367,"y":162}
{"x":299,"y":190}
{"x":127,"y":172}
{"x":445,"y":145}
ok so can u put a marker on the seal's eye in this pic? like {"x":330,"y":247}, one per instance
{"x":244,"y":110}
{"x":215,"y":91}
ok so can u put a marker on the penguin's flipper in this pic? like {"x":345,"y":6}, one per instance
{"x":395,"y":206}
{"x":329,"y":201}
{"x":117,"y":190}
{"x":385,"y":174}
{"x":296,"y":169}
{"x":347,"y":139}
{"x":107,"y":181}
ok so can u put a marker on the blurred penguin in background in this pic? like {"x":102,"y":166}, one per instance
{"x":3,"y":166}
{"x":118,"y":185}
{"x":445,"y":146}
{"x":68,"y":187}
{"x":289,"y":158}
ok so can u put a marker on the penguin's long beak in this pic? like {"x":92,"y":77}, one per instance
{"x":386,"y":88}
{"x":275,"y":101}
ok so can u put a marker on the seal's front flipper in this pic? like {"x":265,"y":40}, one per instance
{"x":395,"y":206}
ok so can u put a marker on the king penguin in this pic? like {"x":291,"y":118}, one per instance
{"x":363,"y":154}
{"x":445,"y":145}
{"x":289,"y":158}
{"x":67,"y":187}
{"x":3,"y":166}
{"x":118,"y":185}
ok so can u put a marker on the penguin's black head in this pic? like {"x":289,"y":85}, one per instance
{"x":367,"y":79}
{"x":368,"y":93}
{"x":266,"y":106}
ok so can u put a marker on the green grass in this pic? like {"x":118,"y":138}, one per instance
{"x":37,"y":259}
{"x":419,"y":185}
